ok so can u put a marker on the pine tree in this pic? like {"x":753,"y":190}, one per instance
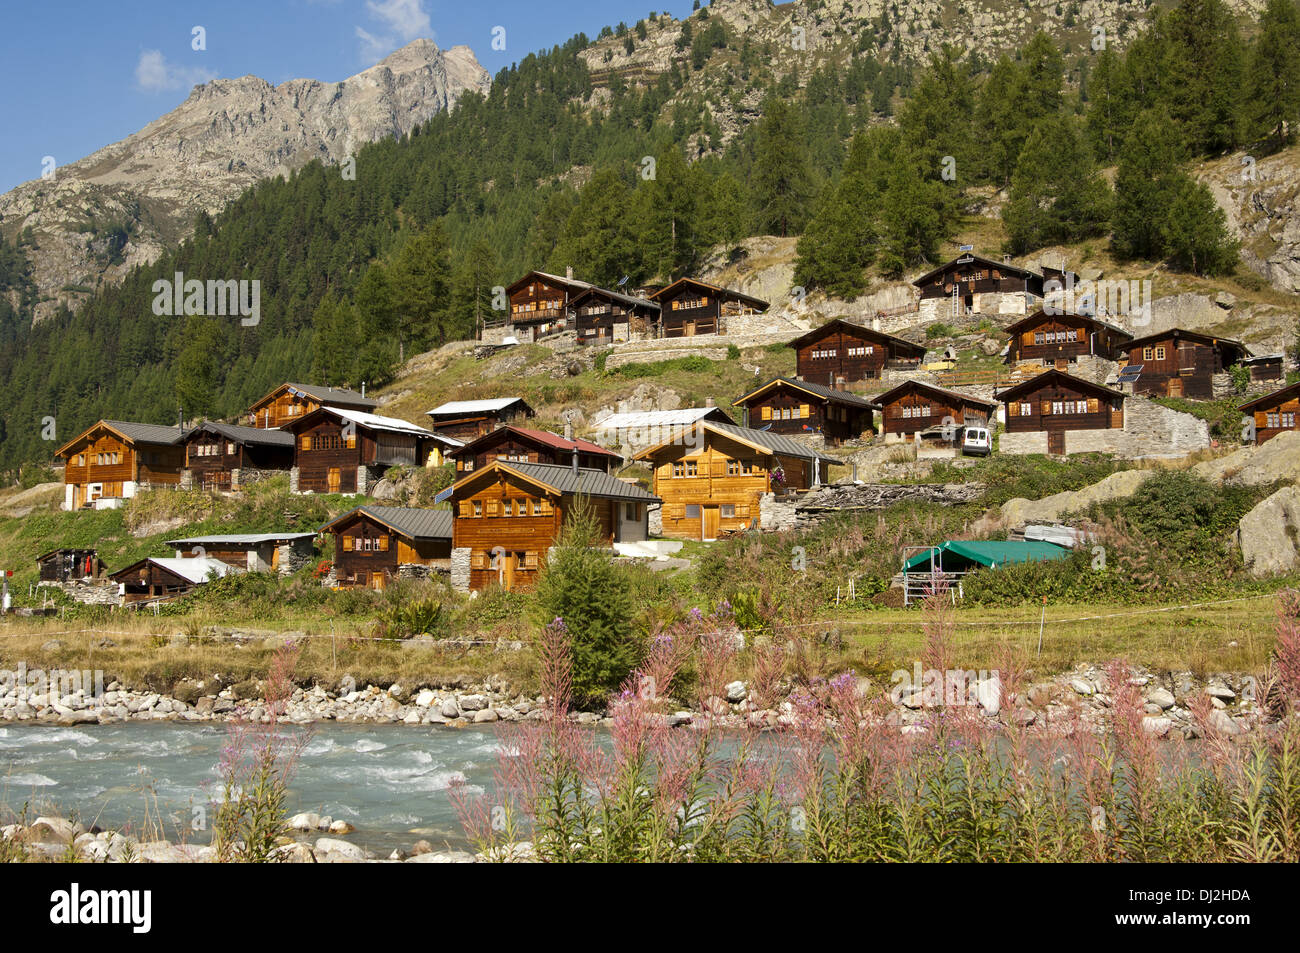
{"x":421,"y":279}
{"x":1273,"y":80}
{"x":1148,"y":162}
{"x":599,"y":237}
{"x":1202,"y":74}
{"x":1196,"y":230}
{"x":781,"y":181}
{"x":1056,"y":192}
{"x":1109,"y":102}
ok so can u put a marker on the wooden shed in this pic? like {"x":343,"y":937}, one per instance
{"x":689,"y":307}
{"x":68,"y":565}
{"x":602,"y":316}
{"x":373,"y":543}
{"x":345,"y":451}
{"x":522,"y":445}
{"x":1055,"y":402}
{"x":159,"y":577}
{"x":225,"y":456}
{"x":255,"y":552}
{"x":1179,"y":363}
{"x":915,"y":406}
{"x":1060,"y":339}
{"x":467,"y":420}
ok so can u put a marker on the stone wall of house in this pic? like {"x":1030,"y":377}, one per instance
{"x":247,"y":476}
{"x":366,"y":479}
{"x":1150,"y":430}
{"x":459,"y":572}
{"x":421,"y":571}
{"x":667,"y":352}
{"x":775,"y":515}
{"x":101,"y":593}
{"x":1222,"y":385}
{"x":293,"y":479}
{"x":655,"y":518}
{"x":294,"y":556}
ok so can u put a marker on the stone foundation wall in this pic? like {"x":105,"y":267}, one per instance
{"x":459,"y":571}
{"x":293,"y":479}
{"x":776,"y":515}
{"x":101,"y":593}
{"x":652,"y":355}
{"x":1150,"y":430}
{"x":421,"y":571}
{"x":247,"y":476}
{"x":294,"y":556}
{"x":655,"y":518}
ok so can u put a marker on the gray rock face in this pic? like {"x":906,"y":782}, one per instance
{"x":1270,"y":534}
{"x":227,"y":135}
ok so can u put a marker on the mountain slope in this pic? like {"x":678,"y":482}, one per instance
{"x":126,"y":203}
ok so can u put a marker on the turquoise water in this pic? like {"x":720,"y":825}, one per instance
{"x":389,"y":781}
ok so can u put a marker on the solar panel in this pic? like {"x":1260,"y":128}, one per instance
{"x":1131,"y":373}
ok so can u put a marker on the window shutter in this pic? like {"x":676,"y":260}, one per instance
{"x":1045,"y":407}
{"x":383,"y":543}
{"x":530,"y":560}
{"x":478,"y":561}
{"x":464,"y":508}
{"x":306,"y":442}
{"x":1013,"y":409}
{"x":767,"y":413}
{"x":352,"y":441}
{"x":1092,"y":405}
{"x":803,"y":410}
{"x":491,"y":507}
{"x":347,"y":544}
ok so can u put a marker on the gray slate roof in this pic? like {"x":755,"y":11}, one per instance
{"x":237,"y":539}
{"x":254,"y":435}
{"x":594,"y":483}
{"x":775,"y":442}
{"x":409,"y":521}
{"x":828,"y":393}
{"x":147,"y":433}
{"x":334,"y":395}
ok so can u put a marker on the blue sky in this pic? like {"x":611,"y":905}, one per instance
{"x":78,"y":76}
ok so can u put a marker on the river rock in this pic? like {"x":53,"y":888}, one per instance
{"x":472,"y":702}
{"x":442,"y":857}
{"x":988,"y":695}
{"x":1224,"y":723}
{"x":54,"y":829}
{"x":1081,"y":686}
{"x":735,"y":692}
{"x":340,"y":827}
{"x":305,"y":822}
{"x":425,"y":698}
{"x":1222,"y":692}
{"x":1161,"y":698}
{"x":485,"y":716}
{"x":339,"y":848}
{"x":449,"y":709}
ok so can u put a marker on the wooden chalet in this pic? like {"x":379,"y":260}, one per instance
{"x":1179,"y":363}
{"x":1057,"y":340}
{"x":288,"y":402}
{"x":225,"y":456}
{"x":799,"y":408}
{"x":467,"y":420}
{"x":1265,"y":368}
{"x":689,"y":307}
{"x":522,"y":445}
{"x":1274,"y":413}
{"x":347,"y":451}
{"x":375,"y":544}
{"x":255,"y":552}
{"x":508,"y":514}
{"x":159,"y":578}
{"x":1054,"y":403}
{"x":109,"y":461}
{"x":540,"y":303}
{"x":636,"y":430}
{"x":602,"y":317}
{"x":915,"y":406}
{"x":712,"y":476}
{"x":842,"y":350}
{"x":971,"y":284}
{"x":69,"y":565}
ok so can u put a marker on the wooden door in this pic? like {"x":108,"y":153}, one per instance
{"x":1056,"y":442}
{"x":688,"y":329}
{"x":1175,"y":387}
{"x":335,"y":479}
{"x":377,"y":580}
{"x":508,"y":567}
{"x":709,"y":522}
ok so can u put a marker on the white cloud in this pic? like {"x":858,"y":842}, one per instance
{"x":154,"y":74}
{"x":402,"y":21}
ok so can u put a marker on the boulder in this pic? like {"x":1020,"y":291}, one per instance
{"x":305,"y":822}
{"x":1269,"y":535}
{"x":55,"y":830}
{"x":735,"y":692}
{"x":340,"y":849}
{"x":1275,"y":459}
{"x":341,"y":827}
{"x":425,"y":698}
{"x":1017,"y":513}
{"x":1161,"y":698}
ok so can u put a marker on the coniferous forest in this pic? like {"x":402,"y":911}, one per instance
{"x":867,"y":159}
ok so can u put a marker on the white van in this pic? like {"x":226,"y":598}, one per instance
{"x":976,"y":442}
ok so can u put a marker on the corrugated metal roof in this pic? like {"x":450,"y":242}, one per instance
{"x":375,"y":422}
{"x":413,"y":522}
{"x":989,"y":552}
{"x":565,"y":480}
{"x":657,"y":418}
{"x":146,"y":433}
{"x":237,"y":539}
{"x":546,"y":438}
{"x":195,"y":569}
{"x":254,"y":435}
{"x":474,"y":406}
{"x":334,"y":395}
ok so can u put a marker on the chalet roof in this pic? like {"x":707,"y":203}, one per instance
{"x":573,"y":284}
{"x":1029,"y":386}
{"x":490,"y":405}
{"x":408,"y":521}
{"x":373,"y":422}
{"x":255,"y":435}
{"x":131,"y":432}
{"x":596,"y":292}
{"x":893,"y":392}
{"x":66,"y":549}
{"x":758,"y":439}
{"x":237,"y":539}
{"x":339,"y":396}
{"x":195,"y":569}
{"x":544,"y":437}
{"x":645,"y":419}
{"x":861,"y":330}
{"x":1042,"y":315}
{"x":1209,"y":340}
{"x":818,"y":391}
{"x":566,"y":481}
{"x":967,"y":258}
{"x":1268,"y":400}
{"x":758,"y":303}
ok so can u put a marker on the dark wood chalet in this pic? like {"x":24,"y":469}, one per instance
{"x":957,"y":287}
{"x":225,"y":457}
{"x":1274,"y":413}
{"x":842,"y":350}
{"x":69,"y":565}
{"x":522,"y":445}
{"x":467,"y":420}
{"x":689,"y":307}
{"x":1060,"y":339}
{"x":602,"y":316}
{"x":540,"y":303}
{"x":160,"y":578}
{"x":508,"y":515}
{"x":109,"y":461}
{"x":288,"y":402}
{"x":796,"y":407}
{"x":712,"y":476}
{"x":914,"y":406}
{"x":347,"y":451}
{"x":1054,"y":402}
{"x":375,"y":544}
{"x":255,"y":552}
{"x":1180,"y":363}
{"x":1265,"y":368}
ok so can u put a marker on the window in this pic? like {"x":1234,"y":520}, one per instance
{"x":862,"y":350}
{"x":1272,"y":419}
{"x":478,"y":507}
{"x":692,"y":511}
{"x":727,"y":510}
{"x":679,"y":469}
{"x":733,"y":468}
{"x":230,"y":449}
{"x":1160,"y":353}
{"x":692,"y":468}
{"x":1058,"y":407}
{"x":1288,"y":419}
{"x":1147,"y":353}
{"x":1026,"y":409}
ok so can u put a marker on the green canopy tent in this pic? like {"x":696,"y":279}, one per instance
{"x":954,"y":558}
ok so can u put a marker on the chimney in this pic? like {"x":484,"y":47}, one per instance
{"x":568,"y":427}
{"x":575,"y":461}
{"x":839,"y":383}
{"x":708,"y":402}
{"x":363,"y":388}
{"x":568,"y":272}
{"x":180,"y":418}
{"x":875,"y":323}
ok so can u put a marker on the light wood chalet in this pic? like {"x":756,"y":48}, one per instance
{"x":255,"y":552}
{"x":347,"y":451}
{"x":1180,"y":363}
{"x":961,"y":286}
{"x":467,"y":420}
{"x":110,"y":461}
{"x":915,"y":406}
{"x":375,"y":544}
{"x":796,"y":408}
{"x":1057,"y":340}
{"x":1274,"y":413}
{"x":158,"y":578}
{"x":522,"y":445}
{"x":540,"y":303}
{"x":288,"y":402}
{"x":602,"y":316}
{"x":1054,"y":402}
{"x":842,"y":350}
{"x":67,"y":565}
{"x":712,"y":476}
{"x":225,"y":456}
{"x":689,"y":307}
{"x":508,"y":514}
